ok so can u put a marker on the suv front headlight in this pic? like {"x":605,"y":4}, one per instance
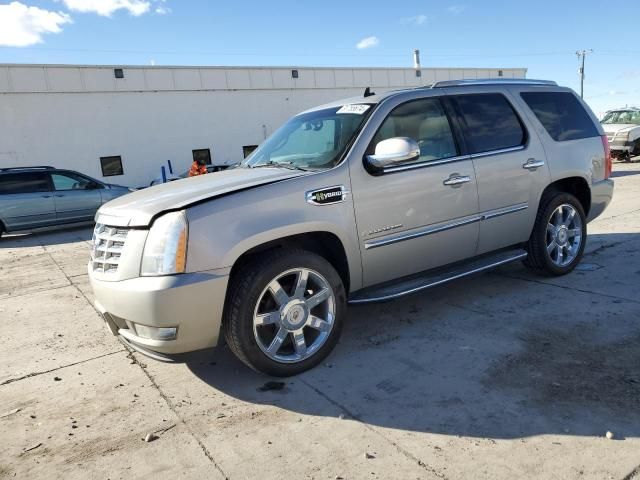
{"x":165,"y":251}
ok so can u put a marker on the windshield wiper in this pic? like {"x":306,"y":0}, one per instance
{"x":288,"y":165}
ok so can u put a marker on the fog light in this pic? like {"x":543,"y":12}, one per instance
{"x":156,"y":333}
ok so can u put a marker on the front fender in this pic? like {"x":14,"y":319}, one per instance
{"x":221,"y":230}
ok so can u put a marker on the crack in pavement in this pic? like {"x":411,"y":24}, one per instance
{"x":540,"y":282}
{"x":171,"y":406}
{"x":602,"y":248}
{"x":357,"y":418}
{"x":35,"y":374}
{"x":633,"y":474}
{"x":131,"y":356}
{"x":38,"y":290}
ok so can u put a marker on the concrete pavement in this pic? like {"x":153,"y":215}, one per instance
{"x":504,"y":375}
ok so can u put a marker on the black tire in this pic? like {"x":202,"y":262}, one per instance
{"x":539,"y":258}
{"x":636,"y":149}
{"x":245,"y":291}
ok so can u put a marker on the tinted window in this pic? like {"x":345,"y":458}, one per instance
{"x":424,"y":121}
{"x":70,"y":181}
{"x":561,"y":115}
{"x":26,"y":182}
{"x":491,"y":123}
{"x":111,"y":166}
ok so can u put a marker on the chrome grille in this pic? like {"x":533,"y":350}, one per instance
{"x":108,"y":243}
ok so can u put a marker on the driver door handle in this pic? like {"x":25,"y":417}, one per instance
{"x":59,"y":195}
{"x":533,"y":164}
{"x":456,"y":180}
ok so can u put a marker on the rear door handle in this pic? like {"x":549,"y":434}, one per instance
{"x":59,"y":195}
{"x":456,"y":180}
{"x":533,"y":164}
{"x":46,"y":196}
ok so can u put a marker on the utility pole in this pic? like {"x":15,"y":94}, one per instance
{"x":581,"y":54}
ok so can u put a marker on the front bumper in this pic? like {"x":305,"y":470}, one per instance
{"x":620,"y":146}
{"x":191,"y":302}
{"x":601,"y":195}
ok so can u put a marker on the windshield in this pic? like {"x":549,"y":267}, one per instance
{"x":311,"y":141}
{"x":622,"y":117}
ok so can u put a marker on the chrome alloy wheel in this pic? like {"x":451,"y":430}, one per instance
{"x":564,"y":235}
{"x":294,"y":315}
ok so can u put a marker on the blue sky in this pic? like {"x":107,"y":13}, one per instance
{"x":542,"y":36}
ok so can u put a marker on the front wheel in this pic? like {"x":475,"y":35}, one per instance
{"x":559,"y":235}
{"x":285,"y":312}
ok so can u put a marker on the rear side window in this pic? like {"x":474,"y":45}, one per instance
{"x":491,"y":123}
{"x":26,"y":182}
{"x":561,"y":115}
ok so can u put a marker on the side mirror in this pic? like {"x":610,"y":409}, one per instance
{"x":394,"y":151}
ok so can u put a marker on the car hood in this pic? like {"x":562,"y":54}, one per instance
{"x":619,"y":127}
{"x":138,"y":209}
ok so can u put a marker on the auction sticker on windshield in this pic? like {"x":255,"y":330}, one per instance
{"x":358,"y":109}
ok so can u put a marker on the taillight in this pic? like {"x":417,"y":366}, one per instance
{"x":607,"y":156}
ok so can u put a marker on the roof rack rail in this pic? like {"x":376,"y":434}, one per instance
{"x":35,"y":167}
{"x":492,"y":81}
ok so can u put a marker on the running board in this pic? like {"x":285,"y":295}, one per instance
{"x":432,"y":278}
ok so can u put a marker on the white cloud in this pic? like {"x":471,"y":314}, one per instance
{"x":21,"y":25}
{"x":162,"y":10}
{"x":415,"y":20}
{"x":107,"y":7}
{"x":456,"y":9}
{"x":367,"y":43}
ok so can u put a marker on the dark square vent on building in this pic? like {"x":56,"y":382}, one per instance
{"x":118,"y":72}
{"x":111,"y":166}
{"x":294,"y":73}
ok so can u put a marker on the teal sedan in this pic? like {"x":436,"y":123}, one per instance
{"x":34,"y":197}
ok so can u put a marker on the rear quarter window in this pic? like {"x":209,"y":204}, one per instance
{"x":490,"y":122}
{"x":561,"y":114}
{"x":27,"y":182}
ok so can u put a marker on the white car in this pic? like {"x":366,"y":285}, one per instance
{"x":622,"y":127}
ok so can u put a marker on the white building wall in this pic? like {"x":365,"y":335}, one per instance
{"x":69,"y":117}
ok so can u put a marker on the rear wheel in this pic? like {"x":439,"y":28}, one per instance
{"x":559,"y":235}
{"x":285,"y":312}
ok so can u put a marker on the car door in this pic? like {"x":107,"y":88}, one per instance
{"x":76,"y":197}
{"x":418,"y":215}
{"x":26,"y":200}
{"x":510,"y":166}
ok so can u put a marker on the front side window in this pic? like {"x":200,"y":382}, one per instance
{"x":71,"y":181}
{"x":26,"y":182}
{"x":561,"y":114}
{"x":490,"y":122}
{"x":311,"y":141}
{"x":628,"y":117}
{"x":425,"y":122}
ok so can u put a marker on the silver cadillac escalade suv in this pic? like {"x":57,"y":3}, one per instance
{"x":362,"y":200}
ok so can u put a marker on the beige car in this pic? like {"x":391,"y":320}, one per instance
{"x":363,"y":200}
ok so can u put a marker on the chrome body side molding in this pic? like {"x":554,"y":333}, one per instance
{"x":431,"y":230}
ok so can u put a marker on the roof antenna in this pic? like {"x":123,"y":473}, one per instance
{"x":368,"y":92}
